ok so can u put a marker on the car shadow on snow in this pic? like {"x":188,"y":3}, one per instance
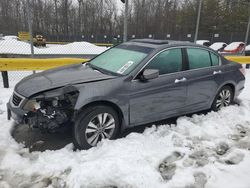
{"x":35,"y":140}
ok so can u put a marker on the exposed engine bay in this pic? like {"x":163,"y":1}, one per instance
{"x":50,"y":113}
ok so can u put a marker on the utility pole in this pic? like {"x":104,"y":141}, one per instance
{"x":198,"y":21}
{"x":125,"y":31}
{"x":247,"y":34}
{"x":248,"y":28}
{"x":101,"y":19}
{"x":30,"y":29}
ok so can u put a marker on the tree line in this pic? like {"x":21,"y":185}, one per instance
{"x":173,"y":19}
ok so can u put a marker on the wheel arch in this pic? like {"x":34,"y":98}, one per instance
{"x":230,"y":84}
{"x":104,"y":103}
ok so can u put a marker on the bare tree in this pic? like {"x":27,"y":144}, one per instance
{"x":100,"y":17}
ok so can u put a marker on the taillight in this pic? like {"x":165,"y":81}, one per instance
{"x":242,"y":70}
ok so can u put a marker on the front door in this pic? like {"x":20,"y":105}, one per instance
{"x":161,"y":97}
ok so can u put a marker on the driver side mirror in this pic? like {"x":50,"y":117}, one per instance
{"x":149,"y":74}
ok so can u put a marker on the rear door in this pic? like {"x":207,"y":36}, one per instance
{"x":203,"y":78}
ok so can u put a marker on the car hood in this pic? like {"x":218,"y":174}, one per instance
{"x":59,"y":77}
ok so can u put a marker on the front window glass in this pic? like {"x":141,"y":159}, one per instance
{"x":198,"y":58}
{"x":119,"y":60}
{"x":169,"y":61}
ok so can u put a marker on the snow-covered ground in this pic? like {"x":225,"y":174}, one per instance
{"x":248,"y":47}
{"x":13,"y":46}
{"x":201,"y":42}
{"x":211,"y":151}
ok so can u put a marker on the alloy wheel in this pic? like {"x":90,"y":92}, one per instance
{"x":100,"y":127}
{"x":223,"y":99}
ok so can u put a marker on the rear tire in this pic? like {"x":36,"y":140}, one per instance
{"x":223,"y":98}
{"x":94,"y":124}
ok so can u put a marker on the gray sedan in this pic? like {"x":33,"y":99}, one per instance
{"x":134,"y":83}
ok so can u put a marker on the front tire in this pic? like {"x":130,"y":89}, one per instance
{"x":95,"y":124}
{"x":223,"y":98}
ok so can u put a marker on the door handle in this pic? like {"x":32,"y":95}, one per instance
{"x":180,"y":80}
{"x":217,"y":72}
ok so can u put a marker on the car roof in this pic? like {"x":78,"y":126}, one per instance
{"x":160,"y":44}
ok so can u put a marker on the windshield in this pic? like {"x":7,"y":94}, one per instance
{"x":118,"y":60}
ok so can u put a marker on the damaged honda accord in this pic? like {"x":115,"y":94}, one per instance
{"x":134,"y":83}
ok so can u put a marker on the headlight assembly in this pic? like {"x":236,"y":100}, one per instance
{"x":31,"y":105}
{"x":59,"y":98}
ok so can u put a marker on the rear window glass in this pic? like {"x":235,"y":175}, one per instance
{"x":215,"y":59}
{"x":198,"y":58}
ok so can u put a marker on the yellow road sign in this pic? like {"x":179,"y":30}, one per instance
{"x":24,"y":35}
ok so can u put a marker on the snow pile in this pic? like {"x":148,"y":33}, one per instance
{"x":217,"y":45}
{"x":209,"y":151}
{"x":248,"y":48}
{"x":73,"y":48}
{"x":12,"y":46}
{"x":233,"y":45}
{"x":201,"y":42}
{"x":10,"y":37}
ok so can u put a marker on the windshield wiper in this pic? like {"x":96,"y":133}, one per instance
{"x":97,"y":68}
{"x":104,"y":71}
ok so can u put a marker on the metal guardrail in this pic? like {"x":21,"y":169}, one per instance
{"x":21,"y":64}
{"x":24,"y":64}
{"x":47,"y":42}
{"x":239,"y":59}
{"x":49,"y":56}
{"x":28,"y":64}
{"x":103,"y":44}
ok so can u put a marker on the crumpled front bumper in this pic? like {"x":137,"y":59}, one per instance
{"x":17,"y":114}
